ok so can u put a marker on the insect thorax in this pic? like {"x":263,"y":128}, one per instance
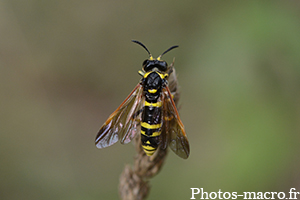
{"x":153,"y":83}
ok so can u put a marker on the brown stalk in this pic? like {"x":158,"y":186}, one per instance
{"x":134,"y":181}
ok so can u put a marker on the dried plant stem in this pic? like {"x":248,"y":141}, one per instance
{"x":134,"y":182}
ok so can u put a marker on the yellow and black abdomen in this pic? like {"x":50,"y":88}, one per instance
{"x":151,"y":126}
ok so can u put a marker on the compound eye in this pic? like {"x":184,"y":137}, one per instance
{"x":148,"y":65}
{"x":163,"y":66}
{"x":145,"y":63}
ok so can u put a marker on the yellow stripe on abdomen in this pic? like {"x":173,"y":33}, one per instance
{"x":150,"y":126}
{"x":157,"y":104}
{"x":154,"y":134}
{"x":149,"y":150}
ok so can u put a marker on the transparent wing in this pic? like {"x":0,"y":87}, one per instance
{"x":124,"y":123}
{"x":173,"y":133}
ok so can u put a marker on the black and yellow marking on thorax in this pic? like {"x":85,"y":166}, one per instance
{"x":162,"y":75}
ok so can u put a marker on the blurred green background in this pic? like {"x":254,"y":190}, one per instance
{"x":65,"y":66}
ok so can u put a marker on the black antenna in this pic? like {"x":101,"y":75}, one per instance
{"x":169,"y":49}
{"x":135,"y":41}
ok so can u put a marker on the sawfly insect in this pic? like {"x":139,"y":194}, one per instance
{"x":149,"y":110}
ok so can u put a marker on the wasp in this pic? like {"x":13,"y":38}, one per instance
{"x":150,"y":110}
